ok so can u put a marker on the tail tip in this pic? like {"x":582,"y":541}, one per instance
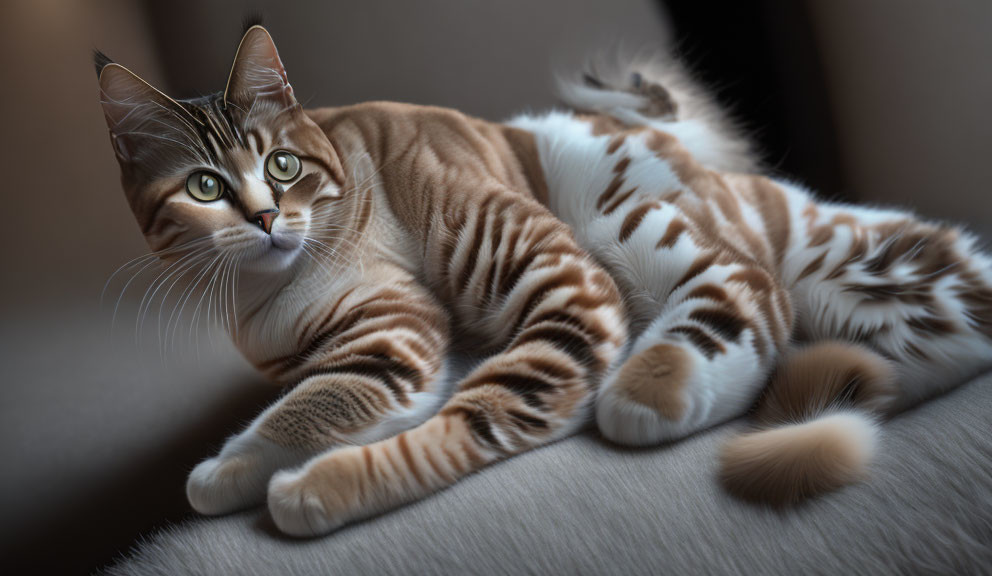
{"x":785,"y":465}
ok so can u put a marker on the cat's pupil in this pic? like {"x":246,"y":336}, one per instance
{"x":282,"y":162}
{"x":207,"y":183}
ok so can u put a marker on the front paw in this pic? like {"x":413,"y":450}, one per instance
{"x":321,"y":497}
{"x":224,"y":485}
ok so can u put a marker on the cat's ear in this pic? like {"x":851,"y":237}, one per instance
{"x":257,"y":72}
{"x":131,"y":106}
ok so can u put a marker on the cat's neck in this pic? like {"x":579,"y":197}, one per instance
{"x":271,"y":307}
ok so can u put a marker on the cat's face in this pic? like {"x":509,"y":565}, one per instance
{"x":238,"y":174}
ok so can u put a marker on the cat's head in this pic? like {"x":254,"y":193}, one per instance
{"x":240,"y":172}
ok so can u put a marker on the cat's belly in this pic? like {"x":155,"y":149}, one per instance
{"x":591,"y":174}
{"x":621,"y":196}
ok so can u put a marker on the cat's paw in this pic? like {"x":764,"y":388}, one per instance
{"x":296,"y":507}
{"x":319,"y":498}
{"x":646,"y":401}
{"x":223,"y":485}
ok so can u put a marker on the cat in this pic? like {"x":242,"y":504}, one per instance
{"x":619,"y":262}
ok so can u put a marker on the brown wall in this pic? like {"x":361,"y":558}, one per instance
{"x":65,"y":219}
{"x":910,"y":82}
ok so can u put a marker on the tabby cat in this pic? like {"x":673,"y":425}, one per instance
{"x":616,"y":262}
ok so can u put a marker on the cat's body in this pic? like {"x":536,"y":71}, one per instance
{"x":407,"y":228}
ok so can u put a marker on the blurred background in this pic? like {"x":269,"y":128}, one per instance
{"x":879,"y":101}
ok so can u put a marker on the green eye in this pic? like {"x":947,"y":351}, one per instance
{"x":283,"y":166}
{"x":205,"y":186}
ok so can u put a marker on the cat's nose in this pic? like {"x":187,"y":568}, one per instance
{"x":264,"y":219}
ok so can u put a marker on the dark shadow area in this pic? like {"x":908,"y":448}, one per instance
{"x":760,"y":59}
{"x":144,"y":496}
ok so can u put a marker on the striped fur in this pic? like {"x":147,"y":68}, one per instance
{"x":722,"y":271}
{"x":604,"y":262}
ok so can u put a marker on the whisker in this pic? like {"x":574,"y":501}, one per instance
{"x":181,"y":304}
{"x":146,"y":301}
{"x":191,"y":265}
{"x":208,"y":287}
{"x":156,"y":254}
{"x":117,"y":305}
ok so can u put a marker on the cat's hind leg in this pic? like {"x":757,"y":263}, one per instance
{"x":918,"y":294}
{"x":899,"y":310}
{"x":703,"y":360}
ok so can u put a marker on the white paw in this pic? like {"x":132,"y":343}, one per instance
{"x":223,"y":485}
{"x":295,"y":506}
{"x":632,"y":424}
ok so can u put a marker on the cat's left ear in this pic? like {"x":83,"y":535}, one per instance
{"x":257,"y":72}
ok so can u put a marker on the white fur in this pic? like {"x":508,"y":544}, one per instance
{"x":578,"y":169}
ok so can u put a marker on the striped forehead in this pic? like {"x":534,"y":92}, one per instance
{"x":218,"y":129}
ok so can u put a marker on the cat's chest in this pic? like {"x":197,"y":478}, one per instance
{"x":277,"y":326}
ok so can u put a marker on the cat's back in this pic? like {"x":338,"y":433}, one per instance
{"x":596,"y":166}
{"x":429,"y":147}
{"x":389,"y":129}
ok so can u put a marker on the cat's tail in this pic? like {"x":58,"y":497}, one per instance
{"x":818,"y":425}
{"x":658,"y":91}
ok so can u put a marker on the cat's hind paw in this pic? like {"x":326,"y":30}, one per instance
{"x":646,"y":401}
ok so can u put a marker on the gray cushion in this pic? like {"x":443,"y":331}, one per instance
{"x":582,"y":506}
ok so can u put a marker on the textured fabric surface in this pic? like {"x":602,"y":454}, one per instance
{"x":584,"y":507}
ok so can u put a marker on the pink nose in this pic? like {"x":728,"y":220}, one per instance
{"x":265,"y":218}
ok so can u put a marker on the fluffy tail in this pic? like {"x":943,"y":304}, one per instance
{"x":657,"y":91}
{"x":818,"y":425}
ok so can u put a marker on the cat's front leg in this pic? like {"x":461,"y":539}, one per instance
{"x":557,"y":318}
{"x":237,"y":477}
{"x":370,"y":367}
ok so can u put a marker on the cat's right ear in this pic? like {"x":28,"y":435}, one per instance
{"x":132,"y":106}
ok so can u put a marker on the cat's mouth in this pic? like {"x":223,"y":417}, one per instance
{"x":285,"y":242}
{"x":274,"y":252}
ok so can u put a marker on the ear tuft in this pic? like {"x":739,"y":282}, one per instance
{"x":100,"y":60}
{"x":251,"y":19}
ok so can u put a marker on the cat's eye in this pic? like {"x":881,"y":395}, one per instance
{"x":283,"y":166}
{"x":204,"y":186}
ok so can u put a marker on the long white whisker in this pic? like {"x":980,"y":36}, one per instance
{"x":146,"y":301}
{"x":117,"y":305}
{"x":191,"y":265}
{"x":207,"y":288}
{"x":150,"y":255}
{"x":184,"y":299}
{"x":234,"y":292}
{"x":130,"y":263}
